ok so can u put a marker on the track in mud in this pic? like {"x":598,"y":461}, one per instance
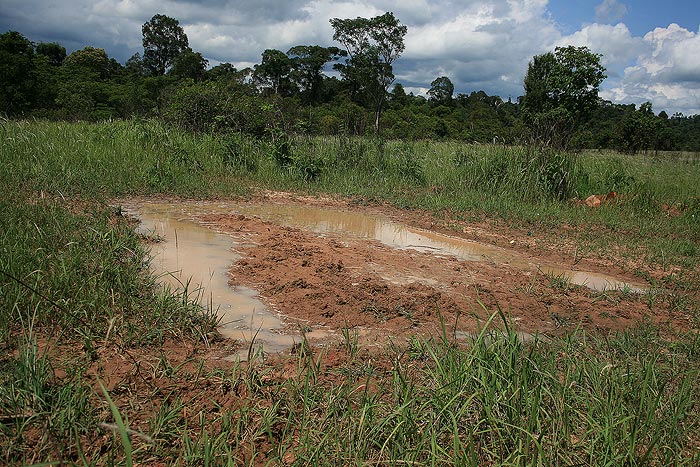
{"x":324,"y":269}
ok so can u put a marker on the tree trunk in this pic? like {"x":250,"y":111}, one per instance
{"x":378,"y":114}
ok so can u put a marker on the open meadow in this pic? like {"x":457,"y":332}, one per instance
{"x":404,"y":353}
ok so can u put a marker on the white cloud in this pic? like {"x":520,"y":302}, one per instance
{"x":667,"y":72}
{"x":245,"y":42}
{"x":479,"y":45}
{"x":616,"y":43}
{"x":610,"y":11}
{"x":484,"y":45}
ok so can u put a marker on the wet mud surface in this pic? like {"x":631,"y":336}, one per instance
{"x":320,"y":266}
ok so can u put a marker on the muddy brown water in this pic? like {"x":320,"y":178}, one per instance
{"x":397,"y":235}
{"x":196,"y":255}
{"x":193,"y":258}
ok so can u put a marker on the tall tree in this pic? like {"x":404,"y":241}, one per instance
{"x":189,"y":64}
{"x":90,"y":59}
{"x":398,"y":97}
{"x":560,"y":89}
{"x":86,"y":89}
{"x":55,"y":52}
{"x":222,"y":71}
{"x":135,"y":65}
{"x":237,"y":81}
{"x":640,"y":130}
{"x":163,"y":40}
{"x":273,"y":74}
{"x":569,"y":78}
{"x":373,"y":45}
{"x":16,"y":73}
{"x":308,"y":62}
{"x":441,"y":90}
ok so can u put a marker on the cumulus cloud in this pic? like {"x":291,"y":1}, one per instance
{"x":483,"y":46}
{"x":610,"y":11}
{"x":615,"y":43}
{"x":667,"y":72}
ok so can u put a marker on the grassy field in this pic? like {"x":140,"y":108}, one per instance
{"x":520,"y":186}
{"x":76,"y":297}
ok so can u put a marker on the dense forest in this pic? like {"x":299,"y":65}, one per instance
{"x":293,"y":92}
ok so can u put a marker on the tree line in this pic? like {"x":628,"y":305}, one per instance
{"x":291,"y":92}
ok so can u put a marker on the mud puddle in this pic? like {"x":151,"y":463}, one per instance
{"x":324,"y":270}
{"x":396,"y":235}
{"x":193,"y":258}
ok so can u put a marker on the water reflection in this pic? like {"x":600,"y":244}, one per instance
{"x":198,"y":254}
{"x":194,"y":257}
{"x":397,"y":235}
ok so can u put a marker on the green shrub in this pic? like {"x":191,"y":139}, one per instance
{"x":281,"y":149}
{"x":556,"y":172}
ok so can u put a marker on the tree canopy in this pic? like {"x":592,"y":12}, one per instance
{"x":441,"y":90}
{"x":16,"y":72}
{"x":90,"y":59}
{"x":373,"y":44}
{"x":163,"y":40}
{"x":560,"y":107}
{"x":308,"y":62}
{"x":189,"y":64}
{"x":274,"y":72}
{"x":561,"y":88}
{"x":569,"y":78}
{"x":55,"y":52}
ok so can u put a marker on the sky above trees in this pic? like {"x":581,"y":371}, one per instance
{"x":651,"y":48}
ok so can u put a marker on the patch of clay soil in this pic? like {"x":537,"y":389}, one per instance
{"x":330,"y":281}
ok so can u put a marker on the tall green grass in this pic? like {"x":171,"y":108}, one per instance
{"x":83,"y":273}
{"x":630,"y":399}
{"x":147,"y":157}
{"x":116,"y":158}
{"x":73,"y":280}
{"x":529,"y":188}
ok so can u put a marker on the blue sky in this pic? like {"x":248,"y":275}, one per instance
{"x":641,"y":16}
{"x":650,"y":48}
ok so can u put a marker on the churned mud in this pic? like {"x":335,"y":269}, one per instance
{"x":312,"y":267}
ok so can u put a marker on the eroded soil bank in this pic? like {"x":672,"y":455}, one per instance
{"x":322,"y":266}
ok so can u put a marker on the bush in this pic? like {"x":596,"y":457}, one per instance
{"x":281,"y":149}
{"x":555,"y":172}
{"x":215,"y":107}
{"x":308,"y":167}
{"x":299,"y":159}
{"x":527,"y":174}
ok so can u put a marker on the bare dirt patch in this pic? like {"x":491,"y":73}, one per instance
{"x":336,"y":282}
